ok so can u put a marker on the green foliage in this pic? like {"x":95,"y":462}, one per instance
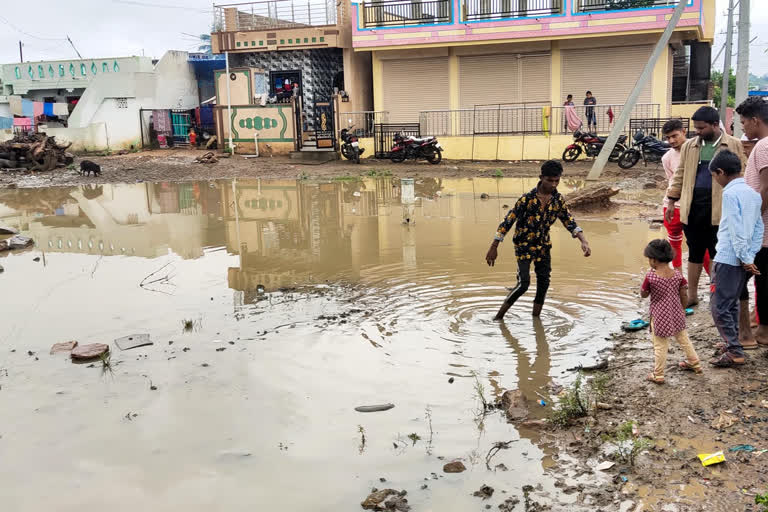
{"x":717,"y":80}
{"x":373,"y":173}
{"x":762,"y":499}
{"x":414,"y":437}
{"x":498,"y":173}
{"x":628,"y":445}
{"x":579,"y":399}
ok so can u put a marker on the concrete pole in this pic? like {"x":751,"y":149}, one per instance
{"x":742,"y":65}
{"x":229,"y":102}
{"x":645,"y":77}
{"x":727,"y":65}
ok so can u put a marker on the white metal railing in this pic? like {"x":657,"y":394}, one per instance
{"x":273,"y":14}
{"x":362,"y":123}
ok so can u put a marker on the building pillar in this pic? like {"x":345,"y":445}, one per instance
{"x":661,"y":82}
{"x":377,"y":68}
{"x":556,"y":75}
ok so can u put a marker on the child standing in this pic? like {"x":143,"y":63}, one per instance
{"x":669,"y":292}
{"x":739,"y":238}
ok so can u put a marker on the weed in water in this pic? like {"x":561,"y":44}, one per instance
{"x":346,"y":178}
{"x":479,"y":389}
{"x":303,"y":176}
{"x":628,"y":445}
{"x":428,"y":417}
{"x":498,"y":173}
{"x":361,"y":431}
{"x":188,"y":325}
{"x":414,"y":437}
{"x":373,"y":173}
{"x":106,"y":364}
{"x":579,"y":399}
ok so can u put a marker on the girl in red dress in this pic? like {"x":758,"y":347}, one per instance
{"x":668,"y":290}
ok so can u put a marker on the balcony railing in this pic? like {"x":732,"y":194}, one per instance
{"x":613,"y":5}
{"x":275,"y":14}
{"x":493,"y":9}
{"x":406,"y":12}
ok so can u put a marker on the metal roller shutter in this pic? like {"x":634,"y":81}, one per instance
{"x":413,"y":85}
{"x":610,"y":73}
{"x":488,"y":79}
{"x":535,"y":78}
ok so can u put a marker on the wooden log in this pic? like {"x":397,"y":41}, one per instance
{"x":590,"y":196}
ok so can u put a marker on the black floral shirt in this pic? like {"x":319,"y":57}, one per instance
{"x":531,"y":237}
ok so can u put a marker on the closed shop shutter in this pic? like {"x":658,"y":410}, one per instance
{"x":413,"y":85}
{"x":488,"y":80}
{"x":535,"y":78}
{"x":610,"y":73}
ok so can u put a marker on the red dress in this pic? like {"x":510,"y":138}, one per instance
{"x":667,"y":312}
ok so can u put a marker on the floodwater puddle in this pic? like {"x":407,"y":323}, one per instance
{"x":324,"y":296}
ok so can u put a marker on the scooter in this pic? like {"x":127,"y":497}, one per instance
{"x":427,"y":148}
{"x":350,"y":148}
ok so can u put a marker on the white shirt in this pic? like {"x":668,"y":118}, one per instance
{"x":670,"y":161}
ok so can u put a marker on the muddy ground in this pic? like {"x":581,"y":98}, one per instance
{"x":179,"y":165}
{"x":690,"y":414}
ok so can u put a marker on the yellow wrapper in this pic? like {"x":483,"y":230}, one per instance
{"x":707,"y":459}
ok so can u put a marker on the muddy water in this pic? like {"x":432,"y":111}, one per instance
{"x":324,"y":296}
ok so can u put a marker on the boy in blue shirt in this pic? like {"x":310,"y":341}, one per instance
{"x":739,"y":238}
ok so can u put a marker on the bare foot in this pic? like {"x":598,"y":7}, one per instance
{"x":761,"y":335}
{"x":537,"y":309}
{"x":693,"y":302}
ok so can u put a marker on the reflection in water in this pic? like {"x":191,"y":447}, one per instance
{"x":393,"y":296}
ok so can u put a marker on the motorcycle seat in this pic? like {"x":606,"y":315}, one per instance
{"x":420,"y":139}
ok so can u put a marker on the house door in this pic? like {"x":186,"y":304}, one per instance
{"x":325,"y":132}
{"x":180,"y":122}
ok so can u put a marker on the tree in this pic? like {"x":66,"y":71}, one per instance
{"x":205,"y":44}
{"x":717,"y":80}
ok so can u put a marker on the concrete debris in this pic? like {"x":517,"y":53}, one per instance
{"x":90,"y":351}
{"x":454,"y":467}
{"x":65,"y":346}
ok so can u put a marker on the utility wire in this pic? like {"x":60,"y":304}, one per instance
{"x":162,"y":6}
{"x":17,"y":29}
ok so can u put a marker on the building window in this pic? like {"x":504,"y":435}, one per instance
{"x":238,"y":44}
{"x":116,"y":67}
{"x":306,"y":40}
{"x":104,"y":67}
{"x":18,"y":73}
{"x":83,"y":69}
{"x":314,"y":39}
{"x":62,"y":72}
{"x":253,"y":43}
{"x":71,"y":69}
{"x":94,"y":69}
{"x":261,"y":43}
{"x":282,"y":41}
{"x":290,"y":41}
{"x":40,"y":71}
{"x":322,"y":39}
{"x":121,"y":102}
{"x":50,"y":71}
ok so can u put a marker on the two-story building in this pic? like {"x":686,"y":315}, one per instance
{"x":485,"y":69}
{"x":304,"y":49}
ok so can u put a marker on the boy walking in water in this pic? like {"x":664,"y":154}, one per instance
{"x":739,"y":238}
{"x":535,"y":212}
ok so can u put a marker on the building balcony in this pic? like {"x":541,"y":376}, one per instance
{"x":280,"y":25}
{"x":388,"y":23}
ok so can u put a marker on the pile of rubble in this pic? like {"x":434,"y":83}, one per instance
{"x":34,"y":152}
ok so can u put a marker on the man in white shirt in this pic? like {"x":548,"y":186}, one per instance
{"x":674,"y":134}
{"x":754,"y":119}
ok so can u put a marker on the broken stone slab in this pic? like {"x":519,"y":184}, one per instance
{"x":485,"y":492}
{"x":90,"y":351}
{"x":386,"y":499}
{"x":374,"y":408}
{"x":514,"y":405}
{"x":4,"y":230}
{"x":454,"y":467}
{"x":66,"y":346}
{"x":133,"y":341}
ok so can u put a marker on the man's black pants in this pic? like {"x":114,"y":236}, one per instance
{"x":542,"y":268}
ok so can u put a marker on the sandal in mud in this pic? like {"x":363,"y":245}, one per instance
{"x":688,"y":367}
{"x":651,"y":377}
{"x":728,"y":360}
{"x":635,"y":325}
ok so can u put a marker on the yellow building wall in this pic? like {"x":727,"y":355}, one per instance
{"x":686,"y":110}
{"x":661,"y":82}
{"x":710,"y":14}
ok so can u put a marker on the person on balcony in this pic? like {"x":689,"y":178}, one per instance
{"x":590,"y":102}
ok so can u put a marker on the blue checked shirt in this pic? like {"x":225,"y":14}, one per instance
{"x":740,"y":235}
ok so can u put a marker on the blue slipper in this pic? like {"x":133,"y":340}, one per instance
{"x":688,"y":311}
{"x":635,"y":325}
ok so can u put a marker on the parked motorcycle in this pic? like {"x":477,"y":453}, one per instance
{"x":647,"y":147}
{"x":591,"y":144}
{"x":426,"y":148}
{"x":350,"y":147}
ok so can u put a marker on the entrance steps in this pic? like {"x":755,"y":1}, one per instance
{"x":314,"y":155}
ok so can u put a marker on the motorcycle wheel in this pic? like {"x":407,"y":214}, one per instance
{"x":434,"y":156}
{"x":356,"y":155}
{"x":629,"y":158}
{"x":345,"y":152}
{"x":397,"y":157}
{"x":618,"y":149}
{"x":571,"y":154}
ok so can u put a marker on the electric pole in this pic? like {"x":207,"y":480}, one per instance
{"x":21,"y":53}
{"x":742,"y":65}
{"x":629,"y":105}
{"x":727,"y":65}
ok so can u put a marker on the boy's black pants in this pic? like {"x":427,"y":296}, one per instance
{"x":542,"y":268}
